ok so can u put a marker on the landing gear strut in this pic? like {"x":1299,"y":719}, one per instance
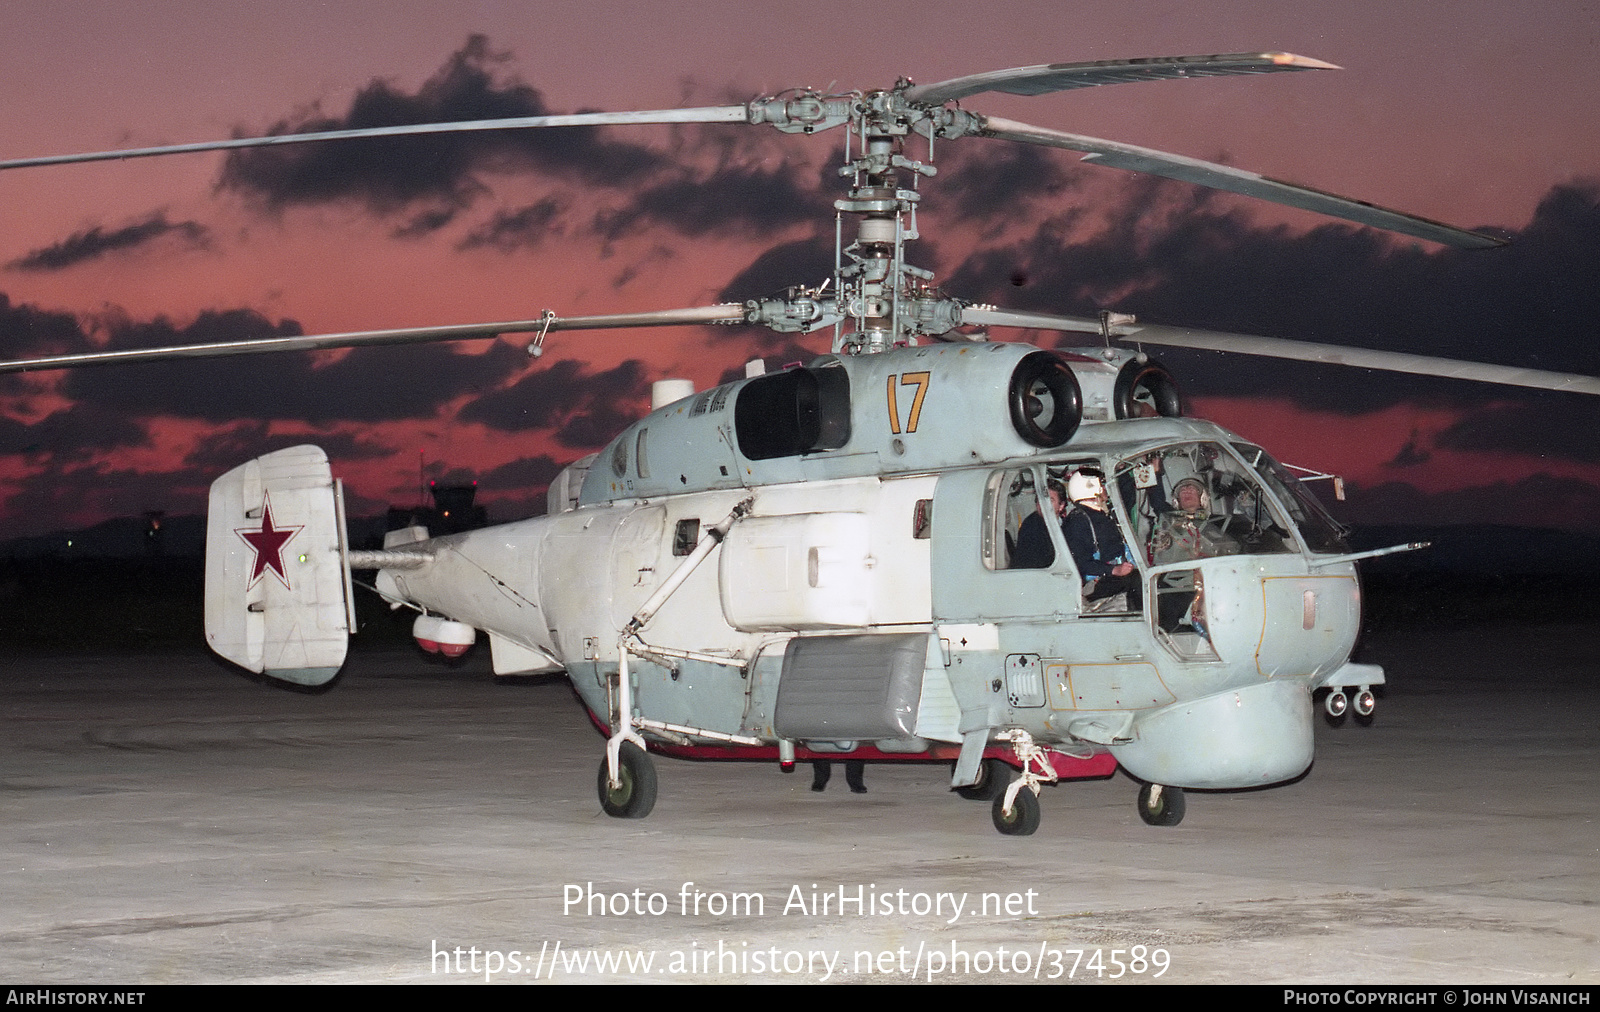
{"x":1016,"y":803}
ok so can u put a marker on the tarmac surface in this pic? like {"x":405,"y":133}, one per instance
{"x":167,"y":819}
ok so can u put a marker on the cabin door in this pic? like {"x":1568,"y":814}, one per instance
{"x":976,"y":515}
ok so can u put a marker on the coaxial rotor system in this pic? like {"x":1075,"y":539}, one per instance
{"x":876,"y":298}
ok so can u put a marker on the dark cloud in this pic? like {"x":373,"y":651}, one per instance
{"x":390,"y":174}
{"x":367,"y":384}
{"x":1539,"y":500}
{"x":44,"y":500}
{"x":733,"y":199}
{"x":227,"y":448}
{"x":586,"y":409}
{"x":1411,"y":454}
{"x":97,"y":242}
{"x":1174,"y":254}
{"x":656,"y":254}
{"x":27,"y":331}
{"x":749,"y":190}
{"x":71,"y":434}
{"x":425,"y":223}
{"x":525,"y":227}
{"x":524,"y":473}
{"x":801,"y":262}
{"x":996,"y":182}
{"x":1562,"y":427}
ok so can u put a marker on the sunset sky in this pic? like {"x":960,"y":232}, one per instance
{"x":1480,"y":114}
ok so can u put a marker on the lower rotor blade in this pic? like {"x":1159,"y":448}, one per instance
{"x":1361,"y":358}
{"x":363,"y":338}
{"x":987,"y":316}
{"x":706,"y":114}
{"x":1225,"y":177}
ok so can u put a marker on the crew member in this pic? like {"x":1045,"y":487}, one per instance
{"x":1034,"y":550}
{"x":1102,"y":556}
{"x":855,"y":772}
{"x":1181,"y":534}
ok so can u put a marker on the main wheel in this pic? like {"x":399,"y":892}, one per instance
{"x":1024,"y":817}
{"x":636,"y":794}
{"x":1166,"y":810}
{"x":993,"y":775}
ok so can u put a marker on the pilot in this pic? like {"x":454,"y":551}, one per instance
{"x":1180,"y":533}
{"x":1096,"y":542}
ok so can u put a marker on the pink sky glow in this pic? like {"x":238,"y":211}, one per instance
{"x":1471,"y":115}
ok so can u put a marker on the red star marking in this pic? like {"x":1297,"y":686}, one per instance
{"x":267,"y":542}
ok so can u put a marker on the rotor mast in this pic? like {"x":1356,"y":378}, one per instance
{"x":879,"y":300}
{"x":878,"y":288}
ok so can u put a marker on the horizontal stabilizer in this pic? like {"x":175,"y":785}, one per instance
{"x":276,"y":590}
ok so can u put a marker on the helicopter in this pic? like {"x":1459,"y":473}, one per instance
{"x":878,"y":554}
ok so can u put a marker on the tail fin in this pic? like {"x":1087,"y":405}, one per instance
{"x":277,"y":587}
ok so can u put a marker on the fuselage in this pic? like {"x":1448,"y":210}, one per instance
{"x":873,"y":596}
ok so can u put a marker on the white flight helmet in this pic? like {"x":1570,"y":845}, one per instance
{"x":1085,"y":487}
{"x":1202,"y":497}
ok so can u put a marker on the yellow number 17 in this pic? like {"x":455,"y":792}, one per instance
{"x":910,"y":379}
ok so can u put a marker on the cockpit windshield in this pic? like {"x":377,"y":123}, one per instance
{"x":1198,"y":501}
{"x":1322,"y":533}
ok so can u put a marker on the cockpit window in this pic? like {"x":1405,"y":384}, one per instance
{"x":1321,"y":532}
{"x":1011,"y":499}
{"x":1197,"y":501}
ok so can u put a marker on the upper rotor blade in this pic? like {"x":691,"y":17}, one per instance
{"x":1362,"y":358}
{"x":705,"y":114}
{"x":1226,"y":177}
{"x":363,"y":338}
{"x":987,"y":316}
{"x":1050,"y":77}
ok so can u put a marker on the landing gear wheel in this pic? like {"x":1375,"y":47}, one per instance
{"x":1165,"y":810}
{"x":636,"y":794}
{"x":993,"y":775}
{"x":1024,"y":817}
{"x":1365,"y":703}
{"x":1336,"y":704}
